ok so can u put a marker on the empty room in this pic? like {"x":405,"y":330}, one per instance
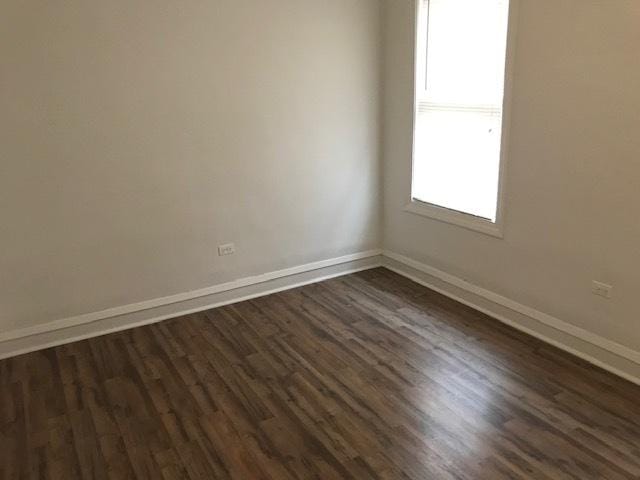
{"x":335,"y":239}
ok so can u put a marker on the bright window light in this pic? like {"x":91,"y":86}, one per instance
{"x":460,"y":90}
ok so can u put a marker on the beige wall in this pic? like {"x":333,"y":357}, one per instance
{"x":137,"y":135}
{"x":573,"y":178}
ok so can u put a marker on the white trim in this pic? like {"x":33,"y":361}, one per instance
{"x":603,"y":355}
{"x":94,"y":324}
{"x":607,"y":354}
{"x":454,"y":217}
{"x":436,"y":212}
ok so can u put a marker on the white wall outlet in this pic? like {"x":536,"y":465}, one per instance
{"x":601,"y":289}
{"x":226,"y":249}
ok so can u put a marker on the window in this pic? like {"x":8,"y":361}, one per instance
{"x":460,"y":89}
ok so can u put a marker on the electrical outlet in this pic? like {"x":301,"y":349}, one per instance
{"x":226,"y":249}
{"x":601,"y":289}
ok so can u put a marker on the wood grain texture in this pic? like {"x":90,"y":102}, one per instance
{"x":367,"y":376}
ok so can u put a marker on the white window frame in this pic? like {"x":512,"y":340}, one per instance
{"x":437,"y":212}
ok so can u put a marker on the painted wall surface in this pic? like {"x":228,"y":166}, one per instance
{"x":137,"y":136}
{"x":573,"y":177}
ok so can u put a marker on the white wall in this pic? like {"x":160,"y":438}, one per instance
{"x":137,"y":135}
{"x":573,"y":178}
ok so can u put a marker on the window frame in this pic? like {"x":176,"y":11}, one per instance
{"x":437,"y":212}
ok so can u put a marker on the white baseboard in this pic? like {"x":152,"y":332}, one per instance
{"x":607,"y":354}
{"x":618,"y":359}
{"x":94,"y":324}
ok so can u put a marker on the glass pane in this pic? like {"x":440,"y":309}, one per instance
{"x":466,"y":51}
{"x":458,"y":161}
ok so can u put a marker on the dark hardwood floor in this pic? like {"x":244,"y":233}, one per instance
{"x":365,"y":376}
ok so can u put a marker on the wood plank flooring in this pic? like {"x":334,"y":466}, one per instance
{"x":367,"y":376}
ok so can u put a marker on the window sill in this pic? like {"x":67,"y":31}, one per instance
{"x":453,"y":217}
